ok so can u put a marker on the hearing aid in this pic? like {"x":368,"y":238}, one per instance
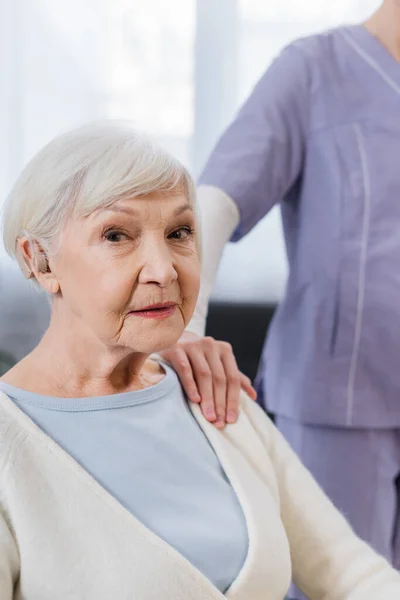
{"x":39,"y":261}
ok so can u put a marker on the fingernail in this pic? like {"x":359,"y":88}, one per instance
{"x":231,"y":416}
{"x":195,"y":398}
{"x":210,"y":413}
{"x":219,"y":423}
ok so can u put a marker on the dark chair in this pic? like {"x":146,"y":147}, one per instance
{"x":245,"y":327}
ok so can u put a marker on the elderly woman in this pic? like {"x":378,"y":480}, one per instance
{"x":110,"y":485}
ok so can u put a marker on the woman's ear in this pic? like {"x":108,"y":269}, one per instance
{"x":34,"y":262}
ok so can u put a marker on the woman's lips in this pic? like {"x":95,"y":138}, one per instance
{"x":156,"y":311}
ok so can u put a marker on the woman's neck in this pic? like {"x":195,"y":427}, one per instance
{"x":66,"y":364}
{"x":385,"y":26}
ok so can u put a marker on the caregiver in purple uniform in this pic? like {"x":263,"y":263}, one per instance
{"x":320,"y":135}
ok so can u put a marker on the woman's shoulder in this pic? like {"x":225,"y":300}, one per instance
{"x":13,"y":430}
{"x":21,"y":375}
{"x":9,"y":430}
{"x":256,"y":417}
{"x":8,"y":416}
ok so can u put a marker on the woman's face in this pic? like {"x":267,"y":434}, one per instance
{"x":130,"y":273}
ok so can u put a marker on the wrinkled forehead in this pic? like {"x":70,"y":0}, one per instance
{"x":149,"y":210}
{"x":154,"y":205}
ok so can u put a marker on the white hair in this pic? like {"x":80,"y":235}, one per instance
{"x":83,"y":170}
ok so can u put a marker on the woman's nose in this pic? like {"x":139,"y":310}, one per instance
{"x":157,"y":265}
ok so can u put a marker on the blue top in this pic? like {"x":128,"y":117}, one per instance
{"x":320,"y":134}
{"x":148,"y":451}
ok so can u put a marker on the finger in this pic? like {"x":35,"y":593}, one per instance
{"x":219,"y":383}
{"x":182,"y":366}
{"x":203,"y":377}
{"x":246,"y":385}
{"x":233,"y":378}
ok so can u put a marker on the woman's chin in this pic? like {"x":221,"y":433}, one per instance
{"x":156,"y":341}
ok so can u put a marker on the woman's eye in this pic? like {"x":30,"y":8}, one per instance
{"x":114,"y":236}
{"x":182,"y":234}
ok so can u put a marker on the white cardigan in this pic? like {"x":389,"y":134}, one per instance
{"x":63,"y":536}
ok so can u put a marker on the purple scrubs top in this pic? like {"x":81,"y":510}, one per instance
{"x":320,"y":134}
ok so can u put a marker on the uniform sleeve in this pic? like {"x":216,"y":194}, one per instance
{"x":260,"y":155}
{"x":329,"y":561}
{"x":219,"y":218}
{"x":9,"y":561}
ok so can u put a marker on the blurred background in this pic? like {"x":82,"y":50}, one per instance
{"x":179,"y":69}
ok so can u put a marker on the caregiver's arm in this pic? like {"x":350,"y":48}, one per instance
{"x":219,"y":217}
{"x":254,"y":165}
{"x":329,"y":561}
